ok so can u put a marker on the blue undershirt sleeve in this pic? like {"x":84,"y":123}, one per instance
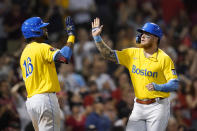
{"x":66,"y":52}
{"x":172,"y":85}
{"x":64,"y":55}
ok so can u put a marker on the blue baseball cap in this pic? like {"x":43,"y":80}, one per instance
{"x":32,"y":27}
{"x":151,"y":28}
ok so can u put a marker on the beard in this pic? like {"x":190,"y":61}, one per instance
{"x":45,"y":36}
{"x":145,"y":46}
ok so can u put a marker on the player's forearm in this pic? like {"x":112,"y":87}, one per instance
{"x":105,"y":50}
{"x":64,"y":55}
{"x":71,"y":45}
{"x":70,"y":41}
{"x":172,"y":85}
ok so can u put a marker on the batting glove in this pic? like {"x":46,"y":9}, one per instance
{"x":70,"y":27}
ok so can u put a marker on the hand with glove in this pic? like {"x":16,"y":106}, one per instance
{"x":70,"y":29}
{"x":65,"y":53}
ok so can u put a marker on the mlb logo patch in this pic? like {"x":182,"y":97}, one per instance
{"x":174,"y":72}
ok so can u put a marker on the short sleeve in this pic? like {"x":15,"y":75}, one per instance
{"x":48,"y":52}
{"x":169,"y":69}
{"x":124,"y":56}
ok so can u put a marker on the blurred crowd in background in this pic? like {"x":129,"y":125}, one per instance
{"x":93,"y":89}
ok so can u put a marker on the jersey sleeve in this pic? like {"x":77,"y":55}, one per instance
{"x":169,"y":69}
{"x":48,"y":52}
{"x":124,"y":56}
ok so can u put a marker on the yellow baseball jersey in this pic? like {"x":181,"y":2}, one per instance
{"x":38,"y":69}
{"x":158,"y":68}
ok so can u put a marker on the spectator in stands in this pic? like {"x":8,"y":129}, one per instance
{"x":123,"y":83}
{"x":93,"y":94}
{"x":55,"y":18}
{"x":72,"y":81}
{"x":172,"y":124}
{"x":4,"y":5}
{"x":84,"y":48}
{"x":191,"y":99}
{"x":9,"y":118}
{"x":12,"y":23}
{"x":103,"y":80}
{"x":76,"y":121}
{"x":97,"y":119}
{"x":19,"y":94}
{"x":64,"y":108}
{"x":82,"y":11}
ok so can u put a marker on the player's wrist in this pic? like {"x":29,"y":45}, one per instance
{"x":157,"y":87}
{"x":97,"y":38}
{"x":71,"y":39}
{"x":70,"y":30}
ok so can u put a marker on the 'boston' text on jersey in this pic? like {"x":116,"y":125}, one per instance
{"x":144,"y":72}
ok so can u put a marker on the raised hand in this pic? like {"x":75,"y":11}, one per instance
{"x":70,"y":27}
{"x":96,"y":28}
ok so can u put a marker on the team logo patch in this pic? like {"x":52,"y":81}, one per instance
{"x":174,"y":72}
{"x":53,"y":49}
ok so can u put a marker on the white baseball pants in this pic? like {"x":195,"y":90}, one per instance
{"x":151,"y":117}
{"x":44,"y":111}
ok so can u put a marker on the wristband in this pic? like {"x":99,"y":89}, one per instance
{"x":71,"y":39}
{"x":97,"y":38}
{"x":94,"y":29}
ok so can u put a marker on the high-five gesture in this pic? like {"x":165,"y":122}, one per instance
{"x":96,"y":28}
{"x":105,"y":50}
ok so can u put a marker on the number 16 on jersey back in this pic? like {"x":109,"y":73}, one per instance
{"x":28,"y":67}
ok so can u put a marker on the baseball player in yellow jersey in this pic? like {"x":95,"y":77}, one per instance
{"x":39,"y":73}
{"x":152,"y":74}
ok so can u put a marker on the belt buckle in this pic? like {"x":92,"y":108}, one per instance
{"x":158,"y":99}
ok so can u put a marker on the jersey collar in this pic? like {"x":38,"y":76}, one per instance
{"x":153,"y":57}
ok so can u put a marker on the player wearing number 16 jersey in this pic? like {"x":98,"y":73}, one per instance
{"x":39,"y":73}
